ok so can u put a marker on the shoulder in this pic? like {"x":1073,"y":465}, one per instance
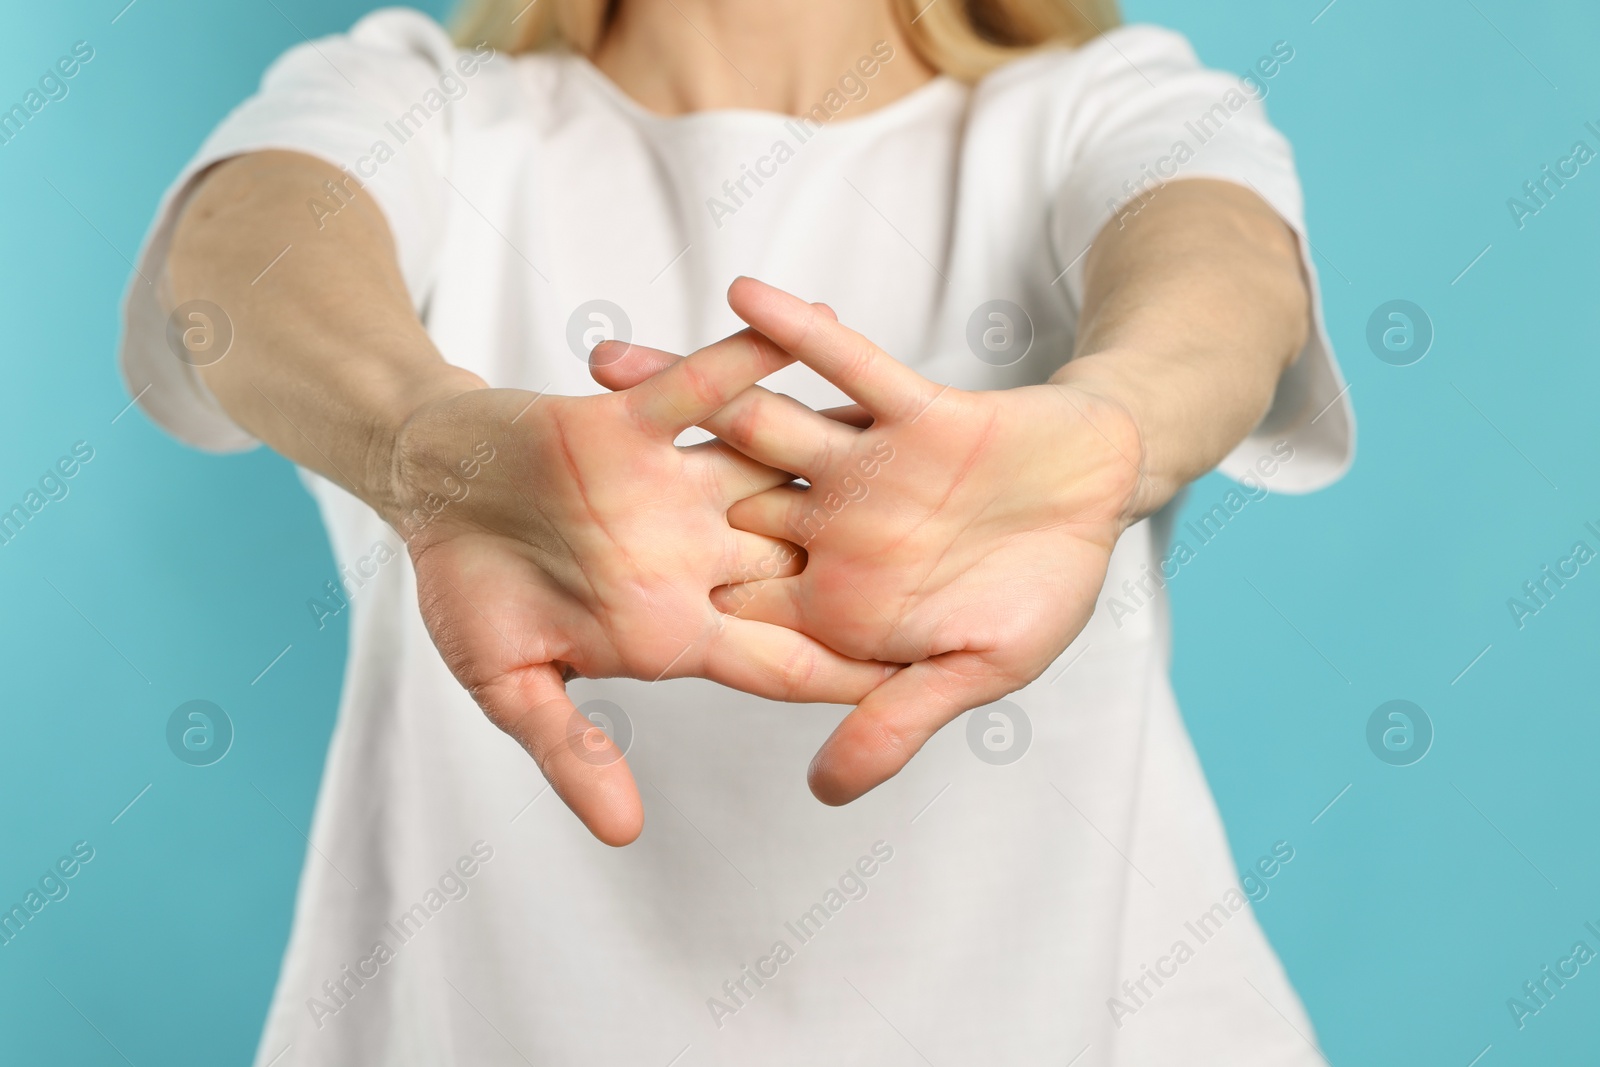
{"x":390,"y":35}
{"x":1070,"y":76}
{"x":399,"y":30}
{"x":1135,"y":86}
{"x":1043,"y":106}
{"x":392,"y":44}
{"x":392,"y":58}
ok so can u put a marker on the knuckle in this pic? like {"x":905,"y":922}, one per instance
{"x":797,"y":670}
{"x":701,"y":385}
{"x":825,"y":452}
{"x":892,"y":736}
{"x":635,"y":408}
{"x":498,"y":699}
{"x":742,"y":428}
{"x":856,"y":359}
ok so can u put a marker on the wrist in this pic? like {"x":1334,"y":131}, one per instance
{"x":1110,"y":406}
{"x":400,"y":434}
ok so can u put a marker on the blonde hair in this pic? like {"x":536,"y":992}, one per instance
{"x":965,"y":39}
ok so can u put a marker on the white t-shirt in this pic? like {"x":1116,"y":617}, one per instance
{"x":1077,"y":905}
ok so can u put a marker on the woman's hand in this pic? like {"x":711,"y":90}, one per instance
{"x":997,"y":515}
{"x":556,"y":536}
{"x":965,"y":533}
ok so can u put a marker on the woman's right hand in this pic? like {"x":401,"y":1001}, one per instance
{"x":588,"y":545}
{"x":557,"y":536}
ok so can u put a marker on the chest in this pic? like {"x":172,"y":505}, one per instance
{"x":597,"y":226}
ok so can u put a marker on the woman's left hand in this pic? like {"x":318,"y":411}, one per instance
{"x":976,"y":552}
{"x":964,"y":533}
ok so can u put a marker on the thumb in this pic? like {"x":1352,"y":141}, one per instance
{"x":894,"y":721}
{"x":584,"y":768}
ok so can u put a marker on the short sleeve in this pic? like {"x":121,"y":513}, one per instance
{"x":1151,"y":114}
{"x":375,"y":102}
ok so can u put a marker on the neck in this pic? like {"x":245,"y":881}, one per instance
{"x":678,"y":56}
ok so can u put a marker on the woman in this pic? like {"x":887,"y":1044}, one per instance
{"x":399,"y":265}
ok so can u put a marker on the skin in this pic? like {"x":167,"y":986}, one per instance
{"x":591,"y":545}
{"x":588,"y":544}
{"x":772,"y":55}
{"x":978,"y":550}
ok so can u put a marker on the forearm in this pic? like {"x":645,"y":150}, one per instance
{"x":328,"y":358}
{"x":1191,"y":312}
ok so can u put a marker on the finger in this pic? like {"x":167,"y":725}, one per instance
{"x":691,"y":390}
{"x":895,"y":720}
{"x":776,"y":601}
{"x":581,"y":764}
{"x":771,"y":428}
{"x":504,"y":631}
{"x":780,"y":664}
{"x":756,"y":558}
{"x":735,"y":474}
{"x":794,"y":514}
{"x":849,"y":414}
{"x":618,"y":365}
{"x":781,"y":432}
{"x":869,"y":375}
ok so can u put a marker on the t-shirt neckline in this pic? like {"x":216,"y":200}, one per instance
{"x":932,"y":89}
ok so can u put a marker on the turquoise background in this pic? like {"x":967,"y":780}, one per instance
{"x":1415,"y":905}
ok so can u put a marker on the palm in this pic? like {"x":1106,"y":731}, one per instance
{"x":595,"y":581}
{"x":900,"y":581}
{"x":975,"y":555}
{"x":964,"y":533}
{"x":589,"y":546}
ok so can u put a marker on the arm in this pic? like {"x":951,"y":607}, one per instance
{"x":1191,"y":312}
{"x":535,"y":559}
{"x":328,"y":358}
